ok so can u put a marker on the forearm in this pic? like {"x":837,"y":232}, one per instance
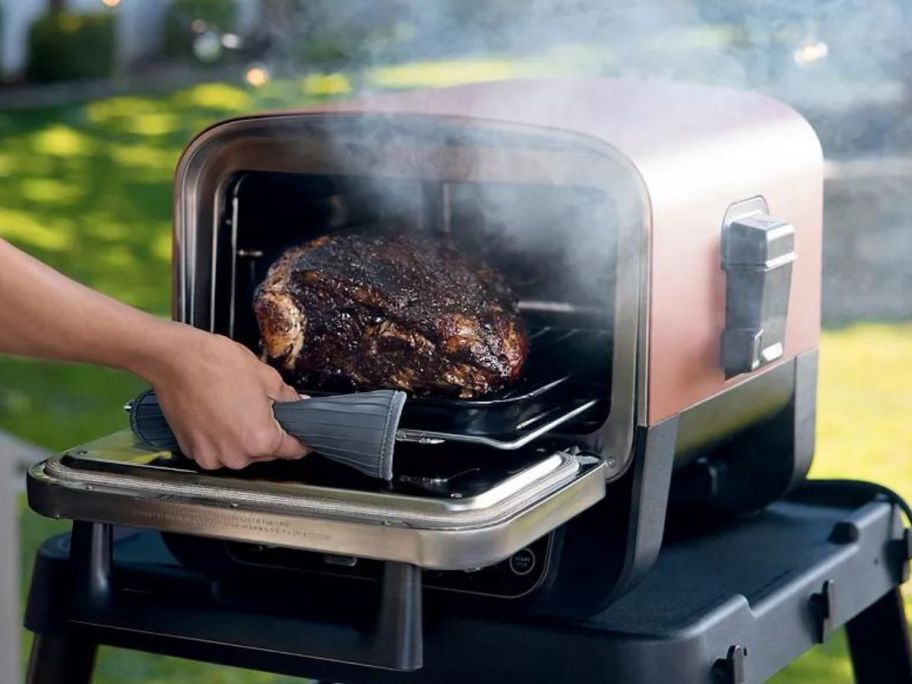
{"x":44,"y":314}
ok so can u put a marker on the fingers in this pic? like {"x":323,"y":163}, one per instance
{"x":268,"y":444}
{"x":230,"y":424}
{"x":287,"y":393}
{"x":275,"y":386}
{"x":290,"y":447}
{"x":207,"y":459}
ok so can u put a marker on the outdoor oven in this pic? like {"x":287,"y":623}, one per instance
{"x":664,"y":243}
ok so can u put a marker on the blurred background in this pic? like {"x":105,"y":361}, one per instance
{"x":98,"y":97}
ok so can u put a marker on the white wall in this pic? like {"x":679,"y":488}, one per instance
{"x":17,"y":16}
{"x":138,"y":26}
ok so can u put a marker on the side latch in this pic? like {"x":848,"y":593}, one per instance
{"x":730,"y":669}
{"x":823,"y":607}
{"x":757,"y":255}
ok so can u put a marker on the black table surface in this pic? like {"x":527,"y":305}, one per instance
{"x":756,"y":587}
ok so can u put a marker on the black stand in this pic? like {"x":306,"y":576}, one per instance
{"x":729,"y":606}
{"x":879,"y":641}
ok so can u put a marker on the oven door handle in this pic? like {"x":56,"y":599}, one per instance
{"x":357,"y":430}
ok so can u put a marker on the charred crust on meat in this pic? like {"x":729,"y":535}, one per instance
{"x":364,"y":311}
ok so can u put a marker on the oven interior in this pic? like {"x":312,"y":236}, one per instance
{"x":553,"y":243}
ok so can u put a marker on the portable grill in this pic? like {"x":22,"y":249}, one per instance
{"x":664,"y":242}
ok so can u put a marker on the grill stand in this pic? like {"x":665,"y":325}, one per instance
{"x":728,"y":608}
{"x":395,"y":642}
{"x":879,"y":641}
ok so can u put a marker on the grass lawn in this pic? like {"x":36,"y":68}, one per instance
{"x":86,"y":188}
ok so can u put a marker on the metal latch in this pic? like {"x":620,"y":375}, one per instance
{"x":730,"y":669}
{"x":823,"y":607}
{"x":757,"y":255}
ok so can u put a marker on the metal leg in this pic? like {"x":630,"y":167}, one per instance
{"x":61,"y":659}
{"x":91,"y":547}
{"x":879,"y":642}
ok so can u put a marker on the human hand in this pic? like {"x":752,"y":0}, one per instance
{"x":217,"y":397}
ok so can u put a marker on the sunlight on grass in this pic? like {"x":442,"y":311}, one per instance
{"x":116,"y":257}
{"x":7,"y":164}
{"x":61,"y":141}
{"x":49,"y":190}
{"x":25,"y":229}
{"x":145,"y":157}
{"x":327,"y":84}
{"x":445,"y":73}
{"x":215,"y":96}
{"x":28,"y":164}
{"x":162,"y":246}
{"x":115,"y":108}
{"x":152,"y":124}
{"x":699,"y":36}
{"x":105,"y":228}
{"x":825,"y":664}
{"x":864,"y":407}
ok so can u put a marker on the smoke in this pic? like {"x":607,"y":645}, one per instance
{"x":766,"y":43}
{"x":824,"y":57}
{"x":843,"y":63}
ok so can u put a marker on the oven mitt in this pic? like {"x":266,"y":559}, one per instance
{"x":357,"y":430}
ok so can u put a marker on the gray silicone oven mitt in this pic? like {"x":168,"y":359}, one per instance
{"x":357,"y":430}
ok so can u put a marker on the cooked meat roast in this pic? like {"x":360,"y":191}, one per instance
{"x":367,"y":311}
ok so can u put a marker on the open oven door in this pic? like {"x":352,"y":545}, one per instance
{"x":457,"y":517}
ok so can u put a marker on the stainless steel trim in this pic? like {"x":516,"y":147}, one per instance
{"x":631,"y":319}
{"x":234,"y":258}
{"x":431,"y":437}
{"x":562,"y":307}
{"x":487,"y":508}
{"x":214,"y":250}
{"x":645,"y":307}
{"x":485,"y":536}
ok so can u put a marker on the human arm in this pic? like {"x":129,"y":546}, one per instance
{"x":216,"y":394}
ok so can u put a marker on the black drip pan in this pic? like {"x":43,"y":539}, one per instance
{"x":555,"y":388}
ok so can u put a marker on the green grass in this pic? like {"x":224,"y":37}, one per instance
{"x":86,"y":188}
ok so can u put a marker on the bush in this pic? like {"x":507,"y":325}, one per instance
{"x":69,"y":46}
{"x":178,"y":30}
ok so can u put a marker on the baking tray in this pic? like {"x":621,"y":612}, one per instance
{"x":567,"y":376}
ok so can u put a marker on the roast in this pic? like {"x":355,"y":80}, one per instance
{"x":366,"y":311}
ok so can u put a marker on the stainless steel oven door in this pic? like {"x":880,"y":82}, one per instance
{"x":115,"y":480}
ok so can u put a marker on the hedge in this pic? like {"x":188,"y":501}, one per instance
{"x":69,"y":46}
